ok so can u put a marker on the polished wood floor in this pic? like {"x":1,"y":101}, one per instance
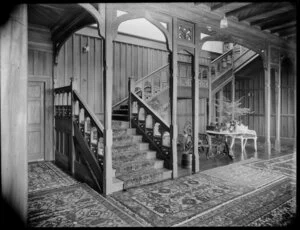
{"x":287,"y":147}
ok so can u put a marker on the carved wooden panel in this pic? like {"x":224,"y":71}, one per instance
{"x":185,"y":31}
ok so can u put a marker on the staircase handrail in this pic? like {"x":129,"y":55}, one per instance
{"x":242,"y":54}
{"x":138,"y":82}
{"x":156,"y":115}
{"x":89,"y":111}
{"x":158,"y":134}
{"x":221,"y":56}
{"x":150,"y":74}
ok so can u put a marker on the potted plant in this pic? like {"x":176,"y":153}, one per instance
{"x":231,"y":112}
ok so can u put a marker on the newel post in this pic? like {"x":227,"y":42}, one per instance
{"x":130,"y":89}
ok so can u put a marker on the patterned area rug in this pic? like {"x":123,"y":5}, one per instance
{"x":256,"y":209}
{"x":173,"y":201}
{"x":75,"y":206}
{"x":45,"y":175}
{"x":285,"y":165}
{"x":240,"y":174}
{"x":284,"y":215}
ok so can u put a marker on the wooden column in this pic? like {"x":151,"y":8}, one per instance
{"x":233,"y":91}
{"x":278,"y":106}
{"x":173,"y":81}
{"x":14,"y":76}
{"x":210,"y":97}
{"x":221,"y":94}
{"x":195,"y":99}
{"x":108,"y":91}
{"x":295,"y":102}
{"x":267,"y":72}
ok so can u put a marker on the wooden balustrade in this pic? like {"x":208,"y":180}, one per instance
{"x":152,"y":127}
{"x":63,"y":127}
{"x":70,"y":109}
{"x":90,"y":128}
{"x":221,"y":64}
{"x":154,"y":83}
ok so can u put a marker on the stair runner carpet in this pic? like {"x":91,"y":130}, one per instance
{"x":134,"y":162}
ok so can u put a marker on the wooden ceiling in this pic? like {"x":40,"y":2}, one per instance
{"x":266,"y":20}
{"x":278,"y":18}
{"x":61,"y":19}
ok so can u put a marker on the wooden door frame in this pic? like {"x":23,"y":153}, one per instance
{"x":48,"y":114}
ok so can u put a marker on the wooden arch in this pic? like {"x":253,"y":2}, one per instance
{"x":99,"y":19}
{"x":233,"y":39}
{"x":146,"y":15}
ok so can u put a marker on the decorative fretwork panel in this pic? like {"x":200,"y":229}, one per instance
{"x":185,"y":31}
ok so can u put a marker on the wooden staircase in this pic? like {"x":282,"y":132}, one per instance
{"x":134,"y":163}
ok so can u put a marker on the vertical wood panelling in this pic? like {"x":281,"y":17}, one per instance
{"x":13,"y":95}
{"x":123,"y":78}
{"x":86,"y":68}
{"x":91,"y":73}
{"x":98,"y":77}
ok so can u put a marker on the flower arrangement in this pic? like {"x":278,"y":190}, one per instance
{"x":230,"y":114}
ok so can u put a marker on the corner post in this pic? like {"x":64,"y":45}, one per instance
{"x":108,"y":90}
{"x":267,"y":73}
{"x":195,"y":100}
{"x":173,"y":97}
{"x":130,"y":89}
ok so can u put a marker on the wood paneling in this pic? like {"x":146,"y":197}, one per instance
{"x":13,"y":75}
{"x":250,"y":85}
{"x":184,"y":114}
{"x":86,"y":68}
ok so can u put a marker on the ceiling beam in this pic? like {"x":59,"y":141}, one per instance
{"x":278,"y":26}
{"x":287,"y":32}
{"x":230,"y":6}
{"x":264,"y":13}
{"x":283,"y":29}
{"x":246,"y":8}
{"x":218,"y":5}
{"x":277,"y":17}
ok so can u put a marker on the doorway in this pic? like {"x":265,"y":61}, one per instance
{"x":36,"y":121}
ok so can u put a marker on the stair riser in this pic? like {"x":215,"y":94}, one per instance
{"x":122,"y":132}
{"x":120,"y":111}
{"x":120,"y":124}
{"x":139,"y":166}
{"x":124,"y":107}
{"x":120,"y":117}
{"x":147,"y":179}
{"x":132,"y":147}
{"x":133,"y":156}
{"x":126,"y":140}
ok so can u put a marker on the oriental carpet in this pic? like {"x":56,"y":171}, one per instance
{"x":257,"y":208}
{"x":285,"y":165}
{"x":45,"y":175}
{"x":75,"y":206}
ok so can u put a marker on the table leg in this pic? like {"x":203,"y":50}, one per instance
{"x":231,"y":145}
